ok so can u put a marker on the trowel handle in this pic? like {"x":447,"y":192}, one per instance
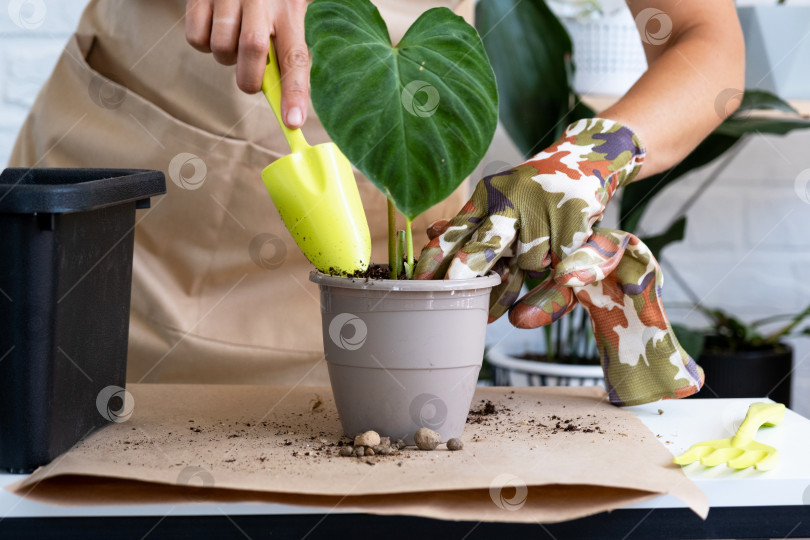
{"x":759,"y":414}
{"x":271,"y":86}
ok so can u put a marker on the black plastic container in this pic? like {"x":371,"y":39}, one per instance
{"x":762,"y":372}
{"x":66,"y":243}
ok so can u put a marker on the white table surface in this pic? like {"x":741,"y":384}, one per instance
{"x":682,"y":423}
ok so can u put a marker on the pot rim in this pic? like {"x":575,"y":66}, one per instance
{"x":485,"y":282}
{"x":768,"y":353}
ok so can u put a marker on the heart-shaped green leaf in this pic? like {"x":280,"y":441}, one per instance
{"x":416,"y":118}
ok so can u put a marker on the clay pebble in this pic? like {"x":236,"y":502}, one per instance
{"x":426,"y":439}
{"x":454,"y":444}
{"x":369,"y":438}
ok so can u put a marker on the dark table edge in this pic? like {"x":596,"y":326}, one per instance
{"x":644,"y":523}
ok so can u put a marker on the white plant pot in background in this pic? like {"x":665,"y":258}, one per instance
{"x":608,"y":54}
{"x":509,"y":369}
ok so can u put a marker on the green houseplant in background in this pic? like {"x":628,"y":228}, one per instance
{"x":415,"y":118}
{"x":741,"y":358}
{"x":532,"y":56}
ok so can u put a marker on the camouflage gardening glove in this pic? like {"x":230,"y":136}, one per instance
{"x":617,"y":279}
{"x":520,"y":221}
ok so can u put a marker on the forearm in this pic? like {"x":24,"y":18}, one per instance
{"x":674,"y":105}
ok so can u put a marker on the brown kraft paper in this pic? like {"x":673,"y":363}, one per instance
{"x":227,"y":443}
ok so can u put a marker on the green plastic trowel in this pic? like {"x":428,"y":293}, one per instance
{"x":316,"y":195}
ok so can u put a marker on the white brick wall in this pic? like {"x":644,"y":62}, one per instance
{"x":746,"y":247}
{"x":29,"y":48}
{"x":747,"y":241}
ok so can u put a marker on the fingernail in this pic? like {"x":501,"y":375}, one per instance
{"x":294,"y":117}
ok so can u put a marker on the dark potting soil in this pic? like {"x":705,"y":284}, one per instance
{"x":374,"y":271}
{"x":489,"y":414}
{"x":573,"y":360}
{"x":487,"y":408}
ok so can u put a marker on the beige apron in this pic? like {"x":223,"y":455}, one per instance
{"x":220,"y":291}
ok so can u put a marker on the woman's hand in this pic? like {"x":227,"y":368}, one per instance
{"x":238,"y":32}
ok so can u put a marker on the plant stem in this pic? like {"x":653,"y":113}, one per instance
{"x":582,"y":331}
{"x":400,"y":249}
{"x":784,"y":331}
{"x":408,"y":249}
{"x":593,"y":350}
{"x":392,"y":241}
{"x":558,"y":336}
{"x":570,"y":345}
{"x":548,"y":331}
{"x":771,"y":319}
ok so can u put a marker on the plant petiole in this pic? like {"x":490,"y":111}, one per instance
{"x":392,"y":241}
{"x":409,"y":249}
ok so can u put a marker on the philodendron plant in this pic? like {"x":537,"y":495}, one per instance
{"x":415,"y":118}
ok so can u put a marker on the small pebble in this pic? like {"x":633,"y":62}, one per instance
{"x":399,"y":444}
{"x":377,"y":449}
{"x":346,"y":451}
{"x":370,"y":452}
{"x":426,"y":439}
{"x":455,"y":444}
{"x":385,"y":450}
{"x":359,"y":451}
{"x":369,"y":438}
{"x":385,"y":441}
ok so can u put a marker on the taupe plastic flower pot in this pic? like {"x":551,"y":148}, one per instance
{"x":403,"y":354}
